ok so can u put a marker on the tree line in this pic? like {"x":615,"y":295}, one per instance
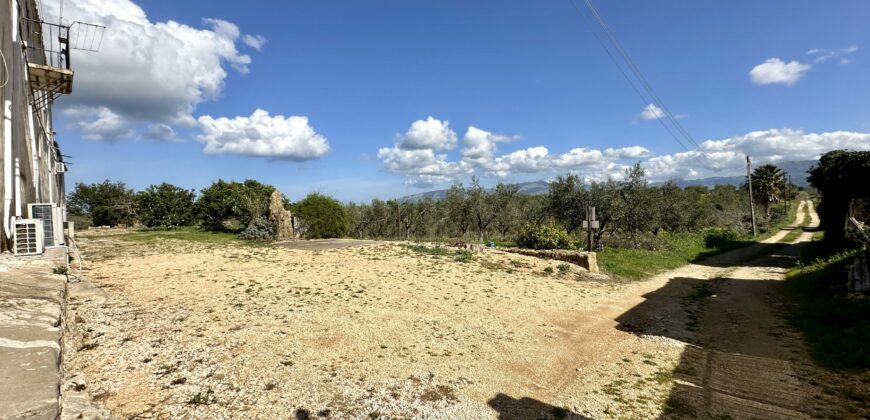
{"x":630,"y":212}
{"x":223,"y":206}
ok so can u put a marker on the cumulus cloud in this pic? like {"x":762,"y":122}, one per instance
{"x":149,"y":72}
{"x":727,"y":156}
{"x":430,"y":133}
{"x":722,"y":157}
{"x":254,"y":41}
{"x":774,"y":70}
{"x":262,"y":135}
{"x":422,"y":167}
{"x":821,"y":55}
{"x":99,"y":124}
{"x":652,"y":112}
{"x":480,"y":145}
{"x":631,"y":152}
{"x":424,"y":160}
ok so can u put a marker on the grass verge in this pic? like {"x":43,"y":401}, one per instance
{"x":189,"y":233}
{"x":834,"y":325}
{"x":803,"y":219}
{"x":680,"y":249}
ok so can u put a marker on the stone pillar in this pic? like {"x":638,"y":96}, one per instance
{"x":280,"y":217}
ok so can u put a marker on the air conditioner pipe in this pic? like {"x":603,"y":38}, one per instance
{"x":7,"y":131}
{"x":17,"y":189}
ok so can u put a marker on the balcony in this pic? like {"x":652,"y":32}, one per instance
{"x":48,"y":56}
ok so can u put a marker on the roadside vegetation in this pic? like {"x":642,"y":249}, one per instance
{"x":834,"y":324}
{"x":832,"y":318}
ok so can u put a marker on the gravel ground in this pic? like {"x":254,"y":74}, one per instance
{"x":199,"y":331}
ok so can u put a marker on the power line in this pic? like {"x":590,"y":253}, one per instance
{"x":603,"y":23}
{"x":631,"y":83}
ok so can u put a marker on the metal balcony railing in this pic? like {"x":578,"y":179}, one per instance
{"x":48,"y":47}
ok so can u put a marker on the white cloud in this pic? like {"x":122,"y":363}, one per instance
{"x":727,"y":156}
{"x":99,"y":124}
{"x":531,"y":160}
{"x":262,"y":135}
{"x":631,"y":152}
{"x":145,"y":71}
{"x":430,"y":133}
{"x":723,"y":157}
{"x":652,"y":112}
{"x":774,"y":70}
{"x":422,"y":167}
{"x":480,"y":145}
{"x":821,"y":55}
{"x":255,"y":41}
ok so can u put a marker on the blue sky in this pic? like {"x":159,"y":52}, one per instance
{"x":780,"y":80}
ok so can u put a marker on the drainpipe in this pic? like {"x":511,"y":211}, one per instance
{"x":17,"y":189}
{"x":34,"y":159}
{"x":7,"y":131}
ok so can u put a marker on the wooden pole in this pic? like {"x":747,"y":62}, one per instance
{"x":588,"y":229}
{"x":751,"y":203}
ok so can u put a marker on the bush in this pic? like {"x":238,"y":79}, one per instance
{"x":107,"y":203}
{"x":225,"y":201}
{"x":543,"y":236}
{"x":321,"y":217}
{"x":261,"y":229}
{"x":718,"y":237}
{"x":80,"y":221}
{"x":165,"y":205}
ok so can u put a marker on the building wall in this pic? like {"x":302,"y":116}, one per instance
{"x":27,"y":132}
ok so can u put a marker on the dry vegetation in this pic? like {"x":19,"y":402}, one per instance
{"x":218,"y":329}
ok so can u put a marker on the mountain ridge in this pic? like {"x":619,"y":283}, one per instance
{"x":797,"y":170}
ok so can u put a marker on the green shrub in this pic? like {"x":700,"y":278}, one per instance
{"x":718,"y":237}
{"x":165,"y":206}
{"x":543,"y":236}
{"x":106,"y":203}
{"x":225,"y":201}
{"x":261,"y":229}
{"x":321,"y":217}
{"x":80,"y":221}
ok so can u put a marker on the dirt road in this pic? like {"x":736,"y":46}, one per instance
{"x":196,"y":331}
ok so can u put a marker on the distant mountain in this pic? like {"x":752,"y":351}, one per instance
{"x":797,"y":170}
{"x":526,"y":188}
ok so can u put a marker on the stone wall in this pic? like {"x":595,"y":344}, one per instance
{"x":587,"y":260}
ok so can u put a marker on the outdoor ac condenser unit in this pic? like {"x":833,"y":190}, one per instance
{"x":51,"y":222}
{"x":59,"y":167}
{"x":28,"y":237}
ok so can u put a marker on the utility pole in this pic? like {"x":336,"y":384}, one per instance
{"x":785,"y":180}
{"x":751,"y":203}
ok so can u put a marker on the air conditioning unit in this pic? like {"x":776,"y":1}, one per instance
{"x":59,"y":167}
{"x":52,"y":222}
{"x":28,"y":237}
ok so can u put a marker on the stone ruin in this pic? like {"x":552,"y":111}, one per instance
{"x":280,"y":217}
{"x":587,"y":260}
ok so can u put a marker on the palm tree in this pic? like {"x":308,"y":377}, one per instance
{"x":767,"y":186}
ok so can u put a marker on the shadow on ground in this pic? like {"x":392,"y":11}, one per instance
{"x":510,"y":408}
{"x":743,"y":360}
